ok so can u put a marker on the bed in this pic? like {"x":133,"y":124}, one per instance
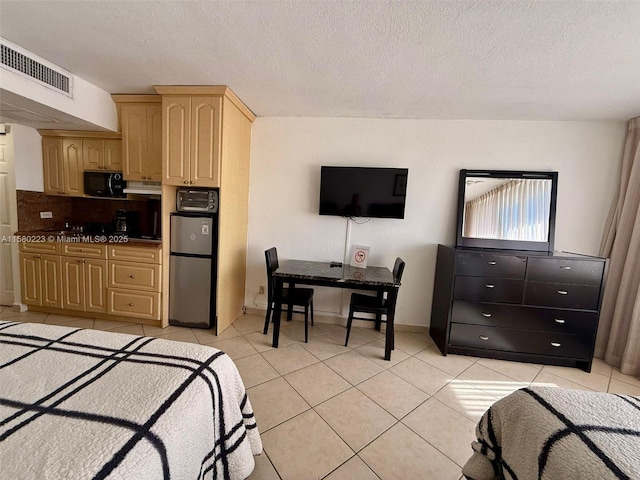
{"x":551,"y":433}
{"x":85,"y":404}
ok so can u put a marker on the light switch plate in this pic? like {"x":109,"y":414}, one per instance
{"x":46,"y":215}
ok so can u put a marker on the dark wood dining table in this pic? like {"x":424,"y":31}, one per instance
{"x":377,"y":279}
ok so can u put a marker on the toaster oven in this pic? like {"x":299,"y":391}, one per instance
{"x":197,"y":200}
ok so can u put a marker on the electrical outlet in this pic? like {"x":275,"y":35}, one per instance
{"x":46,"y":215}
{"x":261,"y":290}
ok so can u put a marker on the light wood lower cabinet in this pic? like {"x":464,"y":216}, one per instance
{"x":119,"y":280}
{"x":84,"y":284}
{"x":40,"y":276}
{"x":135,"y":282}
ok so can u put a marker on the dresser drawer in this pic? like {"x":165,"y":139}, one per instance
{"x":513,"y":340}
{"x":136,"y":276}
{"x":134,"y":304}
{"x":505,"y":290}
{"x":558,"y":270}
{"x":490,"y":265}
{"x":562,"y":295}
{"x":88,"y":250}
{"x":574,"y":322}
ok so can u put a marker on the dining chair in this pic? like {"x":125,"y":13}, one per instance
{"x":378,"y":305}
{"x":292,"y":297}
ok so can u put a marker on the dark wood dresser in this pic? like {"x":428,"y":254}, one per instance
{"x":517,"y":305}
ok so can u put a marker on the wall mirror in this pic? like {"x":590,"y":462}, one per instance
{"x":507,"y":209}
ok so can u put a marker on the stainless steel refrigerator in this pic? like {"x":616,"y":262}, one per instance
{"x":193,"y":270}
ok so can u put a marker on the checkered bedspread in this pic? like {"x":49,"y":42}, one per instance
{"x":84,"y":404}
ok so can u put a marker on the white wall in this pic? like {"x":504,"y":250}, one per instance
{"x":285,"y":174}
{"x":28,"y":158}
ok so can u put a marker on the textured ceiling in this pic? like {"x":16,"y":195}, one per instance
{"x":541,"y":60}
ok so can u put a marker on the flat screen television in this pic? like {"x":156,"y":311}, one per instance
{"x":363,"y":191}
{"x":507,"y":209}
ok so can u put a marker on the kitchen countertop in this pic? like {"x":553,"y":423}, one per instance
{"x":71,"y":237}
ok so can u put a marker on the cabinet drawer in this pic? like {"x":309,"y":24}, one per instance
{"x":558,"y":270}
{"x":135,"y":254}
{"x":134,"y":304}
{"x":136,"y":276}
{"x":512,"y":340}
{"x":562,"y":295}
{"x":505,"y":290}
{"x":489,"y":265}
{"x":88,"y":250}
{"x":574,"y":322}
{"x":39,"y":247}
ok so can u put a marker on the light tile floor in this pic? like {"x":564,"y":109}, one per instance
{"x":335,"y":412}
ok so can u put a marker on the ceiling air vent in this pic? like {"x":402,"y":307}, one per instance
{"x":26,"y":64}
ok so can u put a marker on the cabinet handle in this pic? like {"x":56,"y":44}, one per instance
{"x":563,"y":292}
{"x":566,"y":267}
{"x":489,"y":285}
{"x":186,"y":182}
{"x":131,"y":304}
{"x":80,"y":261}
{"x":559,"y":320}
{"x":486,"y":314}
{"x":484,"y":337}
{"x":37,"y":256}
{"x":492,"y":262}
{"x":191,"y":183}
{"x":556,"y":344}
{"x":132,"y":276}
{"x":84,"y":261}
{"x":82,"y":250}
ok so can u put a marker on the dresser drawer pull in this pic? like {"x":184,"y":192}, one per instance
{"x":566,"y":267}
{"x":132,"y":276}
{"x":563,"y":292}
{"x":556,"y":344}
{"x":492,"y":262}
{"x":131,"y":304}
{"x":484,"y":337}
{"x":489,"y":285}
{"x":559,"y":320}
{"x":487,"y":315}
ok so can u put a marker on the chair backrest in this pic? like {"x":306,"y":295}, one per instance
{"x":271,"y":258}
{"x":398,"y":270}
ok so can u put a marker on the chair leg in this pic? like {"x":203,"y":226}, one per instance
{"x":267,"y":318}
{"x":290,"y":312}
{"x":306,"y":324}
{"x":311,"y":312}
{"x":349,"y":321}
{"x":378,"y":321}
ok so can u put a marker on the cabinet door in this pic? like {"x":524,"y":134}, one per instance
{"x":154,"y":143}
{"x":134,"y":141}
{"x":96,"y":286}
{"x":51,"y":281}
{"x":113,"y":155}
{"x":205,"y":141}
{"x":176,"y":139}
{"x":30,"y":279}
{"x":52,"y":163}
{"x":73,"y":282}
{"x":93,"y":154}
{"x":72,"y":167}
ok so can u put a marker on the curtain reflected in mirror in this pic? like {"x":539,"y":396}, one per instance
{"x":507,"y":208}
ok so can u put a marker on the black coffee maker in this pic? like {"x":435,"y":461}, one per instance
{"x":126,"y":222}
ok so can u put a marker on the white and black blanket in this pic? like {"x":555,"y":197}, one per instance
{"x":84,"y":404}
{"x":551,"y":433}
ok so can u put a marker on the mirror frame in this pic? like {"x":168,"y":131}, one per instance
{"x":500,"y":243}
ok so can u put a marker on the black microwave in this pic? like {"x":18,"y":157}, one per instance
{"x":104,"y":184}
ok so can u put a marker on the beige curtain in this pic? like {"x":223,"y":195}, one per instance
{"x":618,"y":340}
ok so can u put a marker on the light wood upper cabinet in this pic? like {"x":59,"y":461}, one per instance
{"x":98,"y":154}
{"x":142,"y":141}
{"x":191,"y":132}
{"x":52,"y":163}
